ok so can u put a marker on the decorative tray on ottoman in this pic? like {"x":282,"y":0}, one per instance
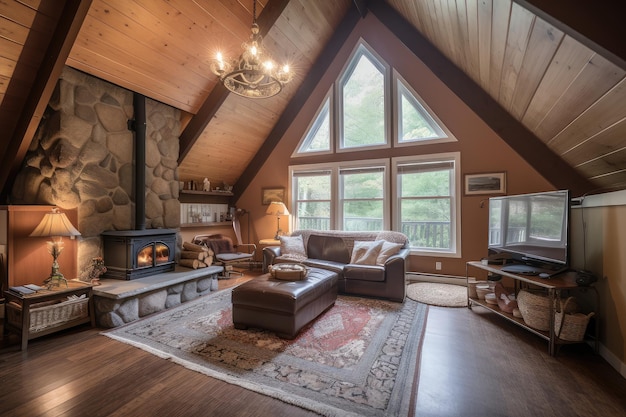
{"x":288,"y":271}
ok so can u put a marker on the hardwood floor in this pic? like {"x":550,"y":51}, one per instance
{"x":473,"y":364}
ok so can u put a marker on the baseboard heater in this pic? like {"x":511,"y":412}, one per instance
{"x":441,"y":278}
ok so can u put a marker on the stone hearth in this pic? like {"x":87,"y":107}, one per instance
{"x":119,"y":302}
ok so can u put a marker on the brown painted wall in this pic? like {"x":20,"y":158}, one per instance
{"x":482,"y":150}
{"x":598,"y":240}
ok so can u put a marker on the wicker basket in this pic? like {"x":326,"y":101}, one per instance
{"x":49,"y":315}
{"x":288,"y":272}
{"x":570,"y":327}
{"x":535,"y":309}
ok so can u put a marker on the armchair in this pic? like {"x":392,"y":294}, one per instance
{"x":228,"y":253}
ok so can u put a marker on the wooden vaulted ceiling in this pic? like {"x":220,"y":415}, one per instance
{"x":548,"y":76}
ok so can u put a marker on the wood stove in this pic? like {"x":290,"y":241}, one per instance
{"x":131,"y":254}
{"x":140,"y":252}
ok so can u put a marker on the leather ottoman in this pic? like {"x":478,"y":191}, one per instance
{"x":283,"y":307}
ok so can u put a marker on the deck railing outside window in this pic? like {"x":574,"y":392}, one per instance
{"x":433,"y":235}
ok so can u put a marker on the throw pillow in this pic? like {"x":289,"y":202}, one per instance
{"x":366,"y":253}
{"x":389,"y":249}
{"x":292,"y":246}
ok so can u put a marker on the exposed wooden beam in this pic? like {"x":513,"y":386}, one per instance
{"x":598,"y":25}
{"x":270,"y":14}
{"x":361,"y":6}
{"x":71,"y":15}
{"x":515,"y":134}
{"x":298,"y":100}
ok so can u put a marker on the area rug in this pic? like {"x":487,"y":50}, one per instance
{"x":360,"y":358}
{"x":437,"y":294}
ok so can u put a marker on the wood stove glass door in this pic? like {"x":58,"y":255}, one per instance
{"x":162,"y":252}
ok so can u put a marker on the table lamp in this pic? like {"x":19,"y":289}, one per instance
{"x":277,"y":209}
{"x":55,"y":225}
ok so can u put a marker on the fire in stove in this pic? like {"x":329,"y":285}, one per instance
{"x":134,"y":254}
{"x":145,"y":256}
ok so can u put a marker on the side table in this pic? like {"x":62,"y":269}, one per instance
{"x":48,"y":310}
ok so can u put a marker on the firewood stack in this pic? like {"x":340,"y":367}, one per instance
{"x":195,"y":256}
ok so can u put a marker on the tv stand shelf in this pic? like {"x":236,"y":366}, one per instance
{"x":554,"y":286}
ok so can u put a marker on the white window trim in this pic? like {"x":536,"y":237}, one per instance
{"x":456,"y":205}
{"x":336,"y":206}
{"x":396,"y":116}
{"x":371,"y":163}
{"x":350,"y":63}
{"x":292,"y":191}
{"x":331,"y":119}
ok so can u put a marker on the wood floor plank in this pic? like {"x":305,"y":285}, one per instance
{"x":473,"y":363}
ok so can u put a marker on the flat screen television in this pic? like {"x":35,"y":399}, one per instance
{"x":532,"y":229}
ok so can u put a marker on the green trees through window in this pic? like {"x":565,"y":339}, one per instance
{"x":355,"y":115}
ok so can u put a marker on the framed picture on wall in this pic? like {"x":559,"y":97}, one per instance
{"x":272,"y":194}
{"x":490,"y":183}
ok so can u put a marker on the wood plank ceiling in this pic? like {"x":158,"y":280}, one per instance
{"x":567,"y":93}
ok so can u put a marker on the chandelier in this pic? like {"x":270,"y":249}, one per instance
{"x":253,"y":74}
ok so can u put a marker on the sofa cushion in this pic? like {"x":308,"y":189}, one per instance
{"x":292,"y":245}
{"x":330,"y":248}
{"x":375,"y":273}
{"x":292,"y":248}
{"x":366,"y":252}
{"x":389,"y":249}
{"x":328,"y":265}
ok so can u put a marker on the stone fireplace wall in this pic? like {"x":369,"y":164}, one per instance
{"x":82,"y":157}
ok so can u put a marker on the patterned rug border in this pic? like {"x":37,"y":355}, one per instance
{"x":408,"y":365}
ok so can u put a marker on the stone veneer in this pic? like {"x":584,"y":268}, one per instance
{"x":120,"y":302}
{"x":82,"y":157}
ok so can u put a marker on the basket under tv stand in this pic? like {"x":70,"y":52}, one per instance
{"x":554,"y":285}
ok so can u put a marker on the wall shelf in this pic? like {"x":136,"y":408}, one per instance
{"x":207,"y":224}
{"x":213,"y":193}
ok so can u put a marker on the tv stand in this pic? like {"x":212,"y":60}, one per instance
{"x":564,"y":281}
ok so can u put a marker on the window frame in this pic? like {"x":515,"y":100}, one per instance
{"x":336,"y":193}
{"x":328,"y":98}
{"x":456,"y":190}
{"x":397,"y":99}
{"x":363,"y":165}
{"x":293,"y":201}
{"x":363,"y":48}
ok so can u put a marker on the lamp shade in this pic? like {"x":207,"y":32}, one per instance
{"x":277,"y":208}
{"x":55,"y":223}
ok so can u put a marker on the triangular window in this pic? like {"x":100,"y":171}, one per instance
{"x":317,"y":138}
{"x":363,"y":109}
{"x":416,"y":122}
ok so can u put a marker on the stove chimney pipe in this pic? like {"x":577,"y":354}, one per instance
{"x":139,"y":126}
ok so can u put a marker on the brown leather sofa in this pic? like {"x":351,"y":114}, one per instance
{"x":332,"y":250}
